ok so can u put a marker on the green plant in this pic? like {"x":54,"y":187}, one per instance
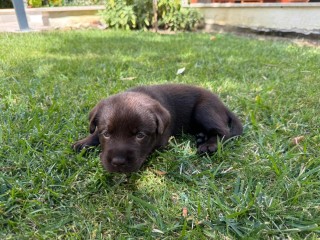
{"x":174,"y":17}
{"x":55,"y":3}
{"x":138,"y":14}
{"x":184,"y":19}
{"x":119,"y":15}
{"x":82,"y":2}
{"x":6,"y":4}
{"x":35,"y":3}
{"x":144,"y":12}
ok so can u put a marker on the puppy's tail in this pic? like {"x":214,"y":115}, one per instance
{"x":235,"y":125}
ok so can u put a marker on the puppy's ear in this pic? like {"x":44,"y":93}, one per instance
{"x":93,"y":119}
{"x":163,"y":118}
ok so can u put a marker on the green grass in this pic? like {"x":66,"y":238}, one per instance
{"x":260,"y":186}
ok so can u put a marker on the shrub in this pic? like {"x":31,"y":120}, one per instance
{"x":131,"y":14}
{"x":51,"y":3}
{"x":144,"y":12}
{"x":174,"y":17}
{"x":83,"y":2}
{"x":119,"y":15}
{"x":6,"y":4}
{"x":35,"y":3}
{"x":55,"y":3}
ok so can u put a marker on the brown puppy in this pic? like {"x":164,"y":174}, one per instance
{"x":130,"y":125}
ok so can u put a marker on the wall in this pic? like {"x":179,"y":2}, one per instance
{"x":53,"y":17}
{"x":286,"y":17}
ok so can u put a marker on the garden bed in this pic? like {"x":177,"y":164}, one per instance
{"x":286,"y":17}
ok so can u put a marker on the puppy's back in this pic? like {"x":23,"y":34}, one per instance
{"x":181,"y":101}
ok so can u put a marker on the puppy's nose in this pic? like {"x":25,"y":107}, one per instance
{"x":118,"y":161}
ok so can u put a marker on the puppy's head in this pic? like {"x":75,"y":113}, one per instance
{"x":130,"y":125}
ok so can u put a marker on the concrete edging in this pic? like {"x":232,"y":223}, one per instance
{"x":283,"y":17}
{"x":51,"y":17}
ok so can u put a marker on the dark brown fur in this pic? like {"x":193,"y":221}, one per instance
{"x":130,"y":125}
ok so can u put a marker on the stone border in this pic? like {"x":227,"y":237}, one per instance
{"x":51,"y":17}
{"x":283,"y":17}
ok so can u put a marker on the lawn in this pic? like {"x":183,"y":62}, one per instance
{"x":263,"y":185}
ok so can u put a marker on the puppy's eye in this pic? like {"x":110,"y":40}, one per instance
{"x":106,"y":134}
{"x":140,"y":135}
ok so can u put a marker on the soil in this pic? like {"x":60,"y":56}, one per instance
{"x":311,"y":40}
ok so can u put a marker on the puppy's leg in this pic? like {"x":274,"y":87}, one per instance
{"x":211,"y":144}
{"x":213,"y":125}
{"x":201,"y":138}
{"x":89,"y":141}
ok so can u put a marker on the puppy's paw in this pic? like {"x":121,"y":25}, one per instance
{"x":207,"y":148}
{"x":201,"y":138}
{"x":79,"y":145}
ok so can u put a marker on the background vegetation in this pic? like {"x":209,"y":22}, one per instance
{"x":138,"y":14}
{"x":6,"y":4}
{"x":132,"y":14}
{"x":263,"y":185}
{"x":53,"y":3}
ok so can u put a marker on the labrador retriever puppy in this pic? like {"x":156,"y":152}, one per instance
{"x":130,"y":125}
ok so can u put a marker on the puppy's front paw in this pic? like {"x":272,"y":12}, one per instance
{"x":207,"y":148}
{"x":201,"y":138}
{"x":79,"y":145}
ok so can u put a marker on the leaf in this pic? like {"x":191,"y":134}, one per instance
{"x":160,"y":173}
{"x":127,"y":78}
{"x":146,"y":22}
{"x":181,"y":71}
{"x":157,"y":231}
{"x":143,"y":203}
{"x":184,"y":212}
{"x":297,"y":140}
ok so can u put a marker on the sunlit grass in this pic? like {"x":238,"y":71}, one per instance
{"x":260,"y":186}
